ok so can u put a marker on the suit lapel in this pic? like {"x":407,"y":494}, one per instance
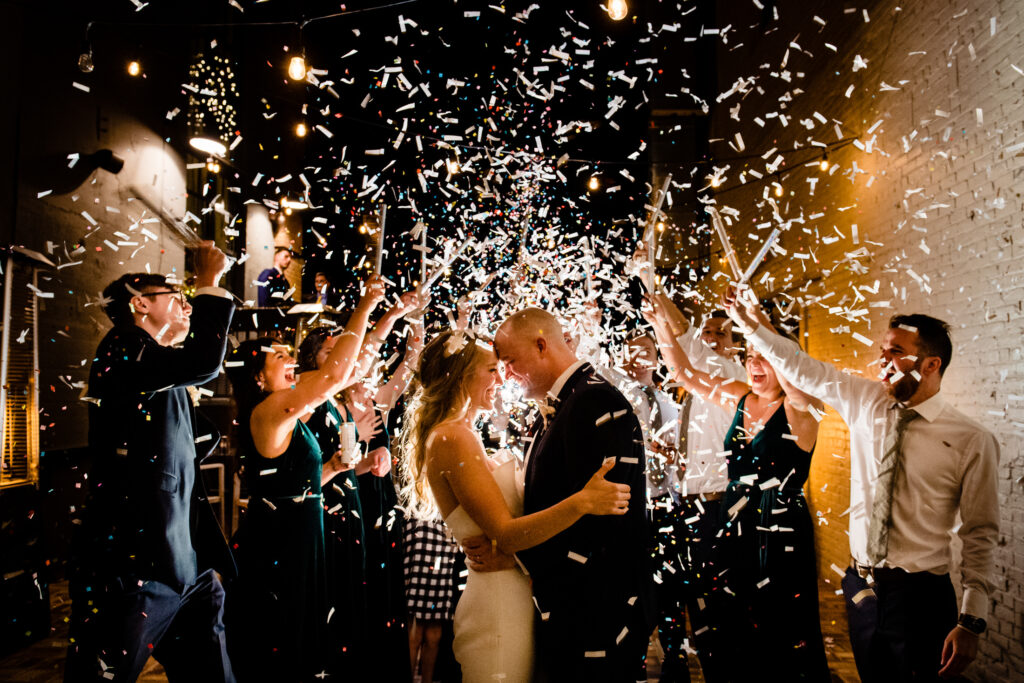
{"x":541,"y":433}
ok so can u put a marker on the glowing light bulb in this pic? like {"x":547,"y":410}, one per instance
{"x":778,"y":189}
{"x":300,"y":129}
{"x":661,"y":226}
{"x":85,"y":63}
{"x":617,"y":10}
{"x":134,"y":68}
{"x":594,"y":184}
{"x":297,"y":68}
{"x":213,"y":166}
{"x":715,"y":181}
{"x":824,"y":164}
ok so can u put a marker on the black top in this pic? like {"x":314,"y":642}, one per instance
{"x":139,"y":517}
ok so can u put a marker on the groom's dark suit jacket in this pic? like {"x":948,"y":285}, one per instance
{"x":594,"y":579}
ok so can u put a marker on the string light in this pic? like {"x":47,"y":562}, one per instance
{"x":212,"y":165}
{"x":297,"y":68}
{"x":134,"y":68}
{"x":594,"y":184}
{"x":661,"y":226}
{"x":300,"y":129}
{"x":824,"y":162}
{"x":778,"y":189}
{"x":617,"y":10}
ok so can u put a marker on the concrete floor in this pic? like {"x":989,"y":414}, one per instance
{"x":43,"y":661}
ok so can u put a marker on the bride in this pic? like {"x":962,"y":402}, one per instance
{"x":448,"y":472}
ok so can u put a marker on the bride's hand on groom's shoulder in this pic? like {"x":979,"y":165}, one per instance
{"x":603,"y":497}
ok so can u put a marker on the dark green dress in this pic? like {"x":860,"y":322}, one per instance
{"x":278,"y":610}
{"x":346,"y":552}
{"x":773,"y":619}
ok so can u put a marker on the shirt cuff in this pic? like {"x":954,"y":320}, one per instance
{"x":214,"y":291}
{"x":761,"y":336}
{"x":975,"y":603}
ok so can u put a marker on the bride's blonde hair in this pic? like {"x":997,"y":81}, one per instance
{"x":438,"y":394}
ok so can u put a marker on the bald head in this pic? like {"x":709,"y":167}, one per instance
{"x":532,"y":346}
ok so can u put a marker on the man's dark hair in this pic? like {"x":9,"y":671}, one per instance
{"x":118,"y":295}
{"x":932,"y":336}
{"x":278,"y":250}
{"x":719,"y":314}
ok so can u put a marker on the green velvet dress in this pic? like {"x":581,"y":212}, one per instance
{"x":771,"y":614}
{"x":277,"y":607}
{"x":346,"y":553}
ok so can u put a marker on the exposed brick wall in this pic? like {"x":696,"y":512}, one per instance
{"x":938,"y":213}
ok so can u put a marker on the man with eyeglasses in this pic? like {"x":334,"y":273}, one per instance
{"x":143,"y":580}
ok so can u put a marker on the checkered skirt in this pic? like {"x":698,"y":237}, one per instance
{"x":429,"y":569}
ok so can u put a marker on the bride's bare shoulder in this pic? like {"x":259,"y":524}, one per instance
{"x":451,"y":439}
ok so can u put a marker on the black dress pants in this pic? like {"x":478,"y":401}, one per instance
{"x":913,"y":615}
{"x":698,"y":523}
{"x":115,"y":630}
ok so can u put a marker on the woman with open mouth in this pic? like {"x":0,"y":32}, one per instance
{"x":768,"y":596}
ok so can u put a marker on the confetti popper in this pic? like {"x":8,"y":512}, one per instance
{"x":380,"y":238}
{"x":723,"y":237}
{"x":760,"y":256}
{"x":651,"y":234}
{"x":423,"y":254}
{"x":428,"y":283}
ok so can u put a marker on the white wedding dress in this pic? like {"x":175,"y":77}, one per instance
{"x":494,"y":618}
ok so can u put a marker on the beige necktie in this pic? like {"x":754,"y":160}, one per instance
{"x":888,"y":471}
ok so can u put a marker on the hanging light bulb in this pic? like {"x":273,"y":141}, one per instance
{"x":594,"y":184}
{"x":715,"y":181}
{"x":300,"y":129}
{"x":297,"y":68}
{"x":778,"y":189}
{"x":134,"y":68}
{"x":824,"y":163}
{"x":617,"y":10}
{"x":85,"y":63}
{"x":212,"y":165}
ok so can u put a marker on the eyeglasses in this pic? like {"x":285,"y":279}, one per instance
{"x":176,"y":292}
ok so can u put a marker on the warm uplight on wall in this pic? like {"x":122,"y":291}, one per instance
{"x":134,"y":68}
{"x":617,"y":10}
{"x":297,"y":68}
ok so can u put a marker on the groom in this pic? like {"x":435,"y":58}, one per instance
{"x":592,"y":583}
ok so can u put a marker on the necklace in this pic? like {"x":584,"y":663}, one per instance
{"x":757,"y":422}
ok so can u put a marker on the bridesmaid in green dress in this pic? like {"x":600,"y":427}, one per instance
{"x":277,"y":610}
{"x":769,"y":618}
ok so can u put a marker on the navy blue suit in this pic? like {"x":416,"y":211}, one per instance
{"x":138,"y":585}
{"x":276,"y":282}
{"x":592,"y":582}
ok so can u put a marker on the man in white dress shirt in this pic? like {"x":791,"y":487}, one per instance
{"x":916,"y":464}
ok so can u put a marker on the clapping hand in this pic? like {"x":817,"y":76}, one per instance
{"x":368,"y":425}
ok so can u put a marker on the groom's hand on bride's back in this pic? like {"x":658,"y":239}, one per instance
{"x":603,"y":497}
{"x":484,"y":555}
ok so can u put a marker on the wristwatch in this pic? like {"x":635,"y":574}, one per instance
{"x":973,"y":624}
